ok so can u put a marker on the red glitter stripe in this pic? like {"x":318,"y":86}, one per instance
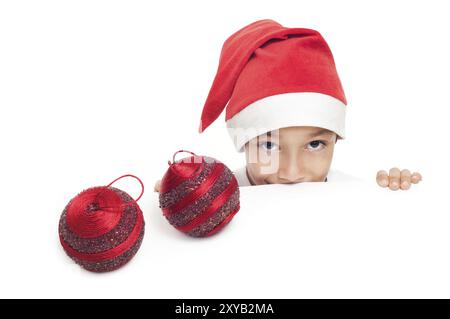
{"x":198,"y":192}
{"x":215,"y":205}
{"x":112,"y":253}
{"x":224,"y":222}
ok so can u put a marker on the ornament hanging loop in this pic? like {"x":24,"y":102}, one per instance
{"x":195,"y":158}
{"x":181,"y":151}
{"x":130,"y":175}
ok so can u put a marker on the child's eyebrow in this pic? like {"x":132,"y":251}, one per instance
{"x":268,"y":134}
{"x":323,"y":131}
{"x":308,"y":136}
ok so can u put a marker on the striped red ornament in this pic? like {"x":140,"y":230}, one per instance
{"x":102,"y":227}
{"x":199,"y":195}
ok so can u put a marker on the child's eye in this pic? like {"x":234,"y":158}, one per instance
{"x":317,"y":145}
{"x":268,"y":146}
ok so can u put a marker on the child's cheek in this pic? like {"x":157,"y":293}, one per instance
{"x":319,"y":165}
{"x":259,"y":172}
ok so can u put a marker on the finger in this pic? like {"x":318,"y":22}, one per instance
{"x":405,"y":179}
{"x":416,"y":177}
{"x":382,"y":178}
{"x":394,"y":178}
{"x":157,"y":186}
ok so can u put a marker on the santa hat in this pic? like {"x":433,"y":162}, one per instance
{"x":270,"y":77}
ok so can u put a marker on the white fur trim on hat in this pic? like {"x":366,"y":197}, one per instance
{"x":285,"y":110}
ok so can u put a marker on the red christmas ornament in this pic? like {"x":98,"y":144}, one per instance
{"x":199,"y":195}
{"x":102,"y":227}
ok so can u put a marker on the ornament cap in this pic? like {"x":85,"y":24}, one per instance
{"x":187,"y":167}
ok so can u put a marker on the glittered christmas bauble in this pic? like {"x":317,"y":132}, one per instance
{"x":199,"y":195}
{"x":102,"y":227}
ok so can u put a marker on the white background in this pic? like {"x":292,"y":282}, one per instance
{"x":91,"y":90}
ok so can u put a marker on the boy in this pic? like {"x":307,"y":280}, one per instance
{"x":285,"y":106}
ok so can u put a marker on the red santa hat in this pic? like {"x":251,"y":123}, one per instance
{"x":270,"y":77}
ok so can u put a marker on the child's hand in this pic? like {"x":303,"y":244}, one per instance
{"x":398,"y":179}
{"x":157,"y":186}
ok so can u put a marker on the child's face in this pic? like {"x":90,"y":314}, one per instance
{"x":290,"y":155}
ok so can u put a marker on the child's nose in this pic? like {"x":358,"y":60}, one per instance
{"x":291,"y":172}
